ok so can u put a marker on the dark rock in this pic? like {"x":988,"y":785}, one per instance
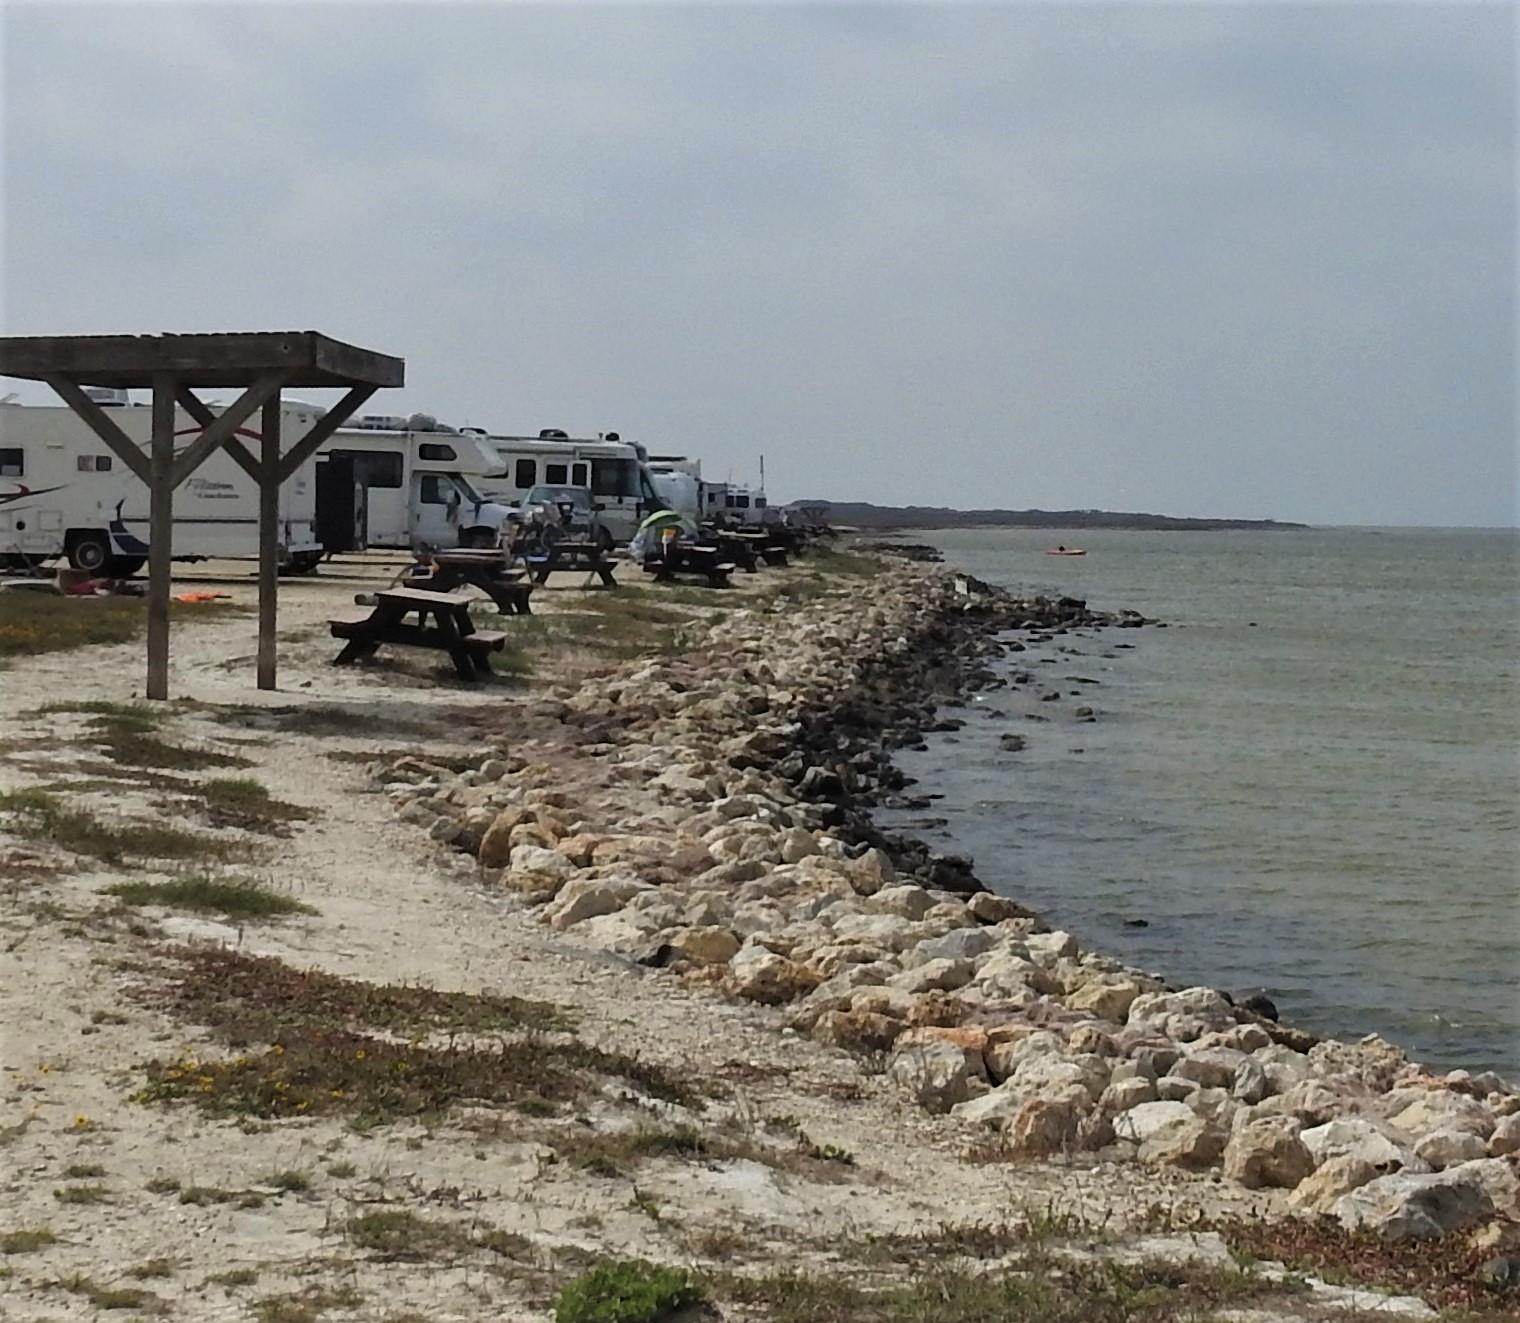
{"x":1500,"y":1273}
{"x":1258,"y":1003}
{"x":1134,"y":923}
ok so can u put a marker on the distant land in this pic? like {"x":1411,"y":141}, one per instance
{"x":865,"y":515}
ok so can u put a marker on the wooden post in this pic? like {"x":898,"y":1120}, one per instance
{"x":269,"y":533}
{"x":160,"y":533}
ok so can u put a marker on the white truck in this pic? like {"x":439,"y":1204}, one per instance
{"x":614,"y":470}
{"x":63,"y":493}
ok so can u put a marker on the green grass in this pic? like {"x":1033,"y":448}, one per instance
{"x":35,"y":623}
{"x":306,"y":1306}
{"x":41,"y":816}
{"x":109,"y":1297}
{"x":627,"y":1291}
{"x":237,"y":898}
{"x":240,"y":801}
{"x":140,"y":717}
{"x":83,"y":1194}
{"x":80,"y":1171}
{"x":26,"y":1240}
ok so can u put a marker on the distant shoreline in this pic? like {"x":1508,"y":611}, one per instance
{"x":862,"y":514}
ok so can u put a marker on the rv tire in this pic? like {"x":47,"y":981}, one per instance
{"x":303,"y":562}
{"x":90,"y":552}
{"x":478,"y":537}
{"x":124,"y":567}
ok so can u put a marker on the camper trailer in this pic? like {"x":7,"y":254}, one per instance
{"x":405,"y":482}
{"x":678,"y":482}
{"x":63,"y":493}
{"x":612,"y":468}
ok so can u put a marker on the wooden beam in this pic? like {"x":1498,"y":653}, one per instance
{"x":101,"y":423}
{"x":323,"y":428}
{"x":160,"y":534}
{"x":189,"y":402}
{"x":234,"y":416}
{"x":220,"y":360}
{"x":269,"y":534}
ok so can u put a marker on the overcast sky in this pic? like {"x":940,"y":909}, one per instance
{"x":1206,"y":259}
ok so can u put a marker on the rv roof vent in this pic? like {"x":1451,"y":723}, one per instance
{"x":553,"y":434}
{"x":111,"y":397}
{"x":613,"y":436}
{"x":472,"y":431}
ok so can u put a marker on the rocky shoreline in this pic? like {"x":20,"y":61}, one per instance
{"x":709,"y":814}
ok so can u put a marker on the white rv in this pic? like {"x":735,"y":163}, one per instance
{"x":63,"y":493}
{"x":405,"y":482}
{"x":736,"y":504}
{"x":612,"y":468}
{"x":386,"y":482}
{"x":678,"y":481}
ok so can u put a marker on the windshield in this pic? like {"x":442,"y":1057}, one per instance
{"x":544,"y":495}
{"x":466,"y":491}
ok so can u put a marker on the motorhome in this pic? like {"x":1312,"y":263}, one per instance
{"x":383,"y":482}
{"x":678,"y":481}
{"x":735,"y":504}
{"x":409,"y":482}
{"x":614,"y":469}
{"x":63,"y":493}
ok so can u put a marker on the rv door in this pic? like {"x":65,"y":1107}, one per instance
{"x":436,"y":505}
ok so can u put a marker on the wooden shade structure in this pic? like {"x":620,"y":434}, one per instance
{"x":260,"y":364}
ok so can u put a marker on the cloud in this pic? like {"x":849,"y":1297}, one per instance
{"x":1198,"y":259}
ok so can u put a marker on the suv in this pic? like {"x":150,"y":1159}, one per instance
{"x":565,"y":512}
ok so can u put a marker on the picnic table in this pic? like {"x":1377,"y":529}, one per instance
{"x":573,"y":555}
{"x":452,"y":630}
{"x":740,"y":548}
{"x":490,"y":571}
{"x":672,"y":558}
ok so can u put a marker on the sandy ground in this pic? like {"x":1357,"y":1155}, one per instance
{"x":392,"y":906}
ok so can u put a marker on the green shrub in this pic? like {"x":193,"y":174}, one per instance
{"x":630,"y":1291}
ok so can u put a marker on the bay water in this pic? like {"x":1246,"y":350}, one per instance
{"x":1309,"y":783}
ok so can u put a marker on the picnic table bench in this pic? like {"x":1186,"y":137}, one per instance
{"x":487,"y":570}
{"x":673,"y":558}
{"x":452,"y":630}
{"x":573,"y":555}
{"x":740,"y":548}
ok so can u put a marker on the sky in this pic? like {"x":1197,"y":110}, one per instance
{"x":1252,"y":260}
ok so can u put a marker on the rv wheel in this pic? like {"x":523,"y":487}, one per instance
{"x":604,"y":540}
{"x":124,"y":567}
{"x":89,"y":552}
{"x":478,"y":538}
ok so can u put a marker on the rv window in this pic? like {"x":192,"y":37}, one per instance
{"x":742,"y":502}
{"x":577,"y":475}
{"x":11,"y":464}
{"x":525,"y":473}
{"x":377,"y":470}
{"x":556,"y":474}
{"x":759,"y":502}
{"x":614,"y":477}
{"x":93,"y":463}
{"x":436,"y":489}
{"x":432,"y":450}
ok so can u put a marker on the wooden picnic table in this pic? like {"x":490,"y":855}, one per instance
{"x":574,"y":555}
{"x":490,"y":571}
{"x":452,"y":630}
{"x":740,"y":548}
{"x":672,"y":558}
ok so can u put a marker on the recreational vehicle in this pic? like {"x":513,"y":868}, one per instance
{"x":405,"y":482}
{"x":678,"y":481}
{"x":614,"y":469}
{"x":63,"y":493}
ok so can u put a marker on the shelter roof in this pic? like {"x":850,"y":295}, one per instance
{"x":223,"y":359}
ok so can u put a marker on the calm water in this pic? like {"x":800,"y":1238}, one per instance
{"x":1322,"y":804}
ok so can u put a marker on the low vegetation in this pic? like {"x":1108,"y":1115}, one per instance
{"x":627,"y":1291}
{"x":42,"y":816}
{"x":26,"y":1240}
{"x":34,"y":623}
{"x":234,"y":897}
{"x":318,"y":1053}
{"x":240,"y":801}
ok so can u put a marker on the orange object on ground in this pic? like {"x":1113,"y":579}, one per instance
{"x":193,"y":598}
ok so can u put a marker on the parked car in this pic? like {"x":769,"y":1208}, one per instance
{"x":558,"y":511}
